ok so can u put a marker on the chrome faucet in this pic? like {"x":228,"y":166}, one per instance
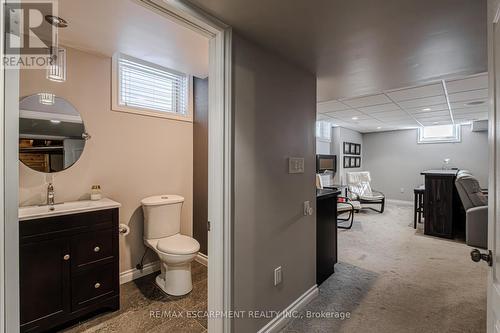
{"x":50,"y":196}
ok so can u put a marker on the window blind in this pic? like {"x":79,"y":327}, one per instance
{"x":152,"y":87}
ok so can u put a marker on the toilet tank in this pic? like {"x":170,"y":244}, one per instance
{"x":162,"y":215}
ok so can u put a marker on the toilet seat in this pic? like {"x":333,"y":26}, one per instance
{"x":178,"y":244}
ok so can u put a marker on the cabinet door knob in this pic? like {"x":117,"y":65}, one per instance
{"x":66,"y":257}
{"x":97,"y":249}
{"x":97,"y":285}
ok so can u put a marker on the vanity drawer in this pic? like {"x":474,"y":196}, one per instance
{"x":92,"y":247}
{"x":93,"y":285}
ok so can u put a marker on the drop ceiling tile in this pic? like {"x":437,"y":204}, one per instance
{"x":417,"y":92}
{"x":469,"y":104}
{"x":439,"y":107}
{"x":469,"y":110}
{"x":423,"y":102}
{"x":471,"y":83}
{"x":346,"y":114}
{"x":367,"y":101}
{"x":401,"y":124}
{"x":481,"y":94}
{"x":427,"y":119}
{"x":473,"y":116}
{"x":379,"y":108}
{"x":433,"y":123}
{"x":389,"y":114}
{"x":397,"y":120}
{"x":320,"y":116}
{"x":432,"y":114}
{"x":331,"y":106}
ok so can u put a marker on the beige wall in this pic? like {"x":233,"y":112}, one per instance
{"x":274,"y":118}
{"x":131,"y":156}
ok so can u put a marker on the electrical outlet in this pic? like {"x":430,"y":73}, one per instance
{"x":402,"y":190}
{"x":277,"y":275}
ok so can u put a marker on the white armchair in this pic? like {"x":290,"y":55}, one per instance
{"x":359,"y":189}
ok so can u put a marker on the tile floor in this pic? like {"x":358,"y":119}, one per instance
{"x":140,"y":298}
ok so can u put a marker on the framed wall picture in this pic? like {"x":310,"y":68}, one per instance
{"x":353,"y":162}
{"x":347,"y":147}
{"x":351,"y":148}
{"x":358,"y":162}
{"x":347,"y":162}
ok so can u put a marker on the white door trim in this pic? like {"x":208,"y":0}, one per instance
{"x":219,"y":206}
{"x":9,"y":168}
{"x":493,"y":183}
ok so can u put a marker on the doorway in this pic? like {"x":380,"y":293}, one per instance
{"x":219,"y":168}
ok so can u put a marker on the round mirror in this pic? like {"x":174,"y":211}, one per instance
{"x":51,"y":133}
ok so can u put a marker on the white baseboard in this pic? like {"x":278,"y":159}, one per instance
{"x":400,"y":202}
{"x":280,"y":321}
{"x":135,"y":273}
{"x":202,"y":259}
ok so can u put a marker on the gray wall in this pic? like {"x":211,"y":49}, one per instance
{"x":274,"y":118}
{"x":339,"y":136}
{"x":395,"y":160}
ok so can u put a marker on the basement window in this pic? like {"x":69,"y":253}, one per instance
{"x":439,"y":134}
{"x":324,"y":131}
{"x":149,"y":89}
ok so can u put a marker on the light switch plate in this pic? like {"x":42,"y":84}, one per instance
{"x":296,"y":165}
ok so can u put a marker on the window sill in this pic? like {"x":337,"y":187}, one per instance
{"x":149,"y":113}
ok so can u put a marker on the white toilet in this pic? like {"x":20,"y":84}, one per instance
{"x":162,"y":223}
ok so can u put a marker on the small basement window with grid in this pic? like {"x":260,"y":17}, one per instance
{"x":324,"y":131}
{"x":146,"y":88}
{"x":439,"y":134}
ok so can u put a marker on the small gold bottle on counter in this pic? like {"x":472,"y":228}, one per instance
{"x":95,"y":193}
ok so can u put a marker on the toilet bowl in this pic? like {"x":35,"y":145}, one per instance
{"x":162,"y":218}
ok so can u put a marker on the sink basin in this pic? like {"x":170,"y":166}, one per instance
{"x":72,"y":207}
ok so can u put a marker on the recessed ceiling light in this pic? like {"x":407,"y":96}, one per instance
{"x":56,"y":21}
{"x":54,"y":121}
{"x":426,"y":109}
{"x":435,"y":123}
{"x":355,"y":118}
{"x":379,"y":127}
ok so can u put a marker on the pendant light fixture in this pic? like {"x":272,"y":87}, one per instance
{"x":57,"y":69}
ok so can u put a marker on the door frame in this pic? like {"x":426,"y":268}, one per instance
{"x":219,"y":168}
{"x":493,"y":301}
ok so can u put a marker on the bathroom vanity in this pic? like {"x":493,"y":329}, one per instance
{"x":68,"y":262}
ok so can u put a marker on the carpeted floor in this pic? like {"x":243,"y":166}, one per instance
{"x":391,"y":278}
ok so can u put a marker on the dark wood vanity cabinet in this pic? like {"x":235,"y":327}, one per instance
{"x":68,"y":268}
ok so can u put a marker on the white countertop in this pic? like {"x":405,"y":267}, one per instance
{"x":66,"y":208}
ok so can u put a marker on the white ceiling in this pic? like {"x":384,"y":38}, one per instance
{"x":109,"y":26}
{"x":438,"y":103}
